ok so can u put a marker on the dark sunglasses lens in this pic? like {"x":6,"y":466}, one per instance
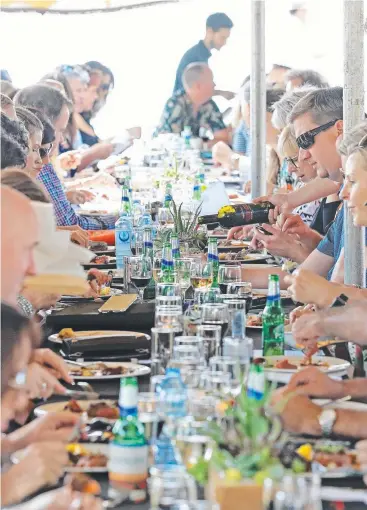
{"x":305,"y":141}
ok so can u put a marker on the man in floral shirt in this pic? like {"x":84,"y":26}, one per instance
{"x":192,"y":106}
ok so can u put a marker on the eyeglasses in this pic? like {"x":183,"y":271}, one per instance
{"x":292,"y":161}
{"x":363,"y":143}
{"x":19,"y":381}
{"x":106,"y":87}
{"x":43,"y":152}
{"x":306,"y":140}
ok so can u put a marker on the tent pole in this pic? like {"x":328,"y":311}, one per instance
{"x":354,"y":245}
{"x":258,"y":99}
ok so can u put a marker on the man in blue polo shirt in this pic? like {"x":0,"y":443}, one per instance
{"x":218,"y":29}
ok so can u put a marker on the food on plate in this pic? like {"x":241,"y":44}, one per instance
{"x":98,"y":246}
{"x":96,"y":431}
{"x":80,"y":482}
{"x":257,"y":321}
{"x":97,"y":370}
{"x":80,"y":456}
{"x":106,"y":236}
{"x":66,"y":333}
{"x":219,"y":232}
{"x":285,"y":365}
{"x":238,"y":255}
{"x":99,"y":283}
{"x":98,"y":410}
{"x":101,"y":259}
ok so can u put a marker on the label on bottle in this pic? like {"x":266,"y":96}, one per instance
{"x":256,"y":384}
{"x":128,"y":469}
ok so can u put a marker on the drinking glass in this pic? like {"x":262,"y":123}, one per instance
{"x":242,"y":290}
{"x":155,"y":382}
{"x":140,"y":273}
{"x":169,"y":317}
{"x":168,"y":289}
{"x":136,"y":242}
{"x":202,"y":296}
{"x":164,"y":216}
{"x":224,"y":364}
{"x":168,"y":301}
{"x":166,"y":487}
{"x":162,"y":347}
{"x":228,"y":274}
{"x":210,"y":335}
{"x":183,"y":270}
{"x":215,"y":314}
{"x":195,"y":341}
{"x":201,"y":275}
{"x":157,"y":263}
{"x":215,"y":383}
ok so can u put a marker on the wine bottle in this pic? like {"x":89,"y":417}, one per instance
{"x":239,"y":214}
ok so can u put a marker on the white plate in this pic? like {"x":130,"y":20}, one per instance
{"x":94,"y":213}
{"x":91,"y":447}
{"x":113,"y":292}
{"x":252,"y":327}
{"x":100,"y":334}
{"x":57,"y":407}
{"x":336,"y":367}
{"x":264,"y":293}
{"x":135,"y":371}
{"x":352,"y":406}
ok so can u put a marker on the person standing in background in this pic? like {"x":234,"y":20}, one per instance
{"x":218,"y":29}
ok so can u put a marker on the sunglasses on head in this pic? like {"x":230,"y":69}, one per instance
{"x":306,"y":140}
{"x":45,"y":152}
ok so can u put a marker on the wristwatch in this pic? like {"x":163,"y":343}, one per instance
{"x":326,"y":420}
{"x":340,"y":301}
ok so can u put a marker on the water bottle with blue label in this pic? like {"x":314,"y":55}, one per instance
{"x":123,"y":233}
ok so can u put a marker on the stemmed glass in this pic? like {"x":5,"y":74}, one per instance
{"x":140,"y":273}
{"x":215,"y":314}
{"x":242,"y":290}
{"x":157,"y":264}
{"x":228,"y":274}
{"x":201,"y":275}
{"x":136,"y":242}
{"x":183,"y":270}
{"x":164,"y":216}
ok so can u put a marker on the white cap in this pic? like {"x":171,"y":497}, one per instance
{"x":58,"y":261}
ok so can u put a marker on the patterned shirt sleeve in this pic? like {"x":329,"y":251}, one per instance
{"x":211,"y":117}
{"x":172,"y":117}
{"x":65,"y":214}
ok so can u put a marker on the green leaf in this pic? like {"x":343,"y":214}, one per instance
{"x":179,"y":218}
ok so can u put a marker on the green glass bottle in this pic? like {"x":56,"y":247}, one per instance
{"x":167,"y":268}
{"x":128,"y":450}
{"x":196,"y":193}
{"x":213,"y":259}
{"x":168,"y":195}
{"x":125,"y":201}
{"x":175,"y":243}
{"x":273,"y":320}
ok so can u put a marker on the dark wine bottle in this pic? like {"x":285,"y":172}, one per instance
{"x":239,"y":214}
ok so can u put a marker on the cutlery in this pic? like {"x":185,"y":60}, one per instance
{"x":87,"y":395}
{"x":336,"y":401}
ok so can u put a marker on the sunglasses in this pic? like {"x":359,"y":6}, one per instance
{"x":307,"y":140}
{"x":292,"y":161}
{"x":45,"y":152}
{"x":106,"y":87}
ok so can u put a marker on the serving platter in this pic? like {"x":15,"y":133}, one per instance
{"x":88,"y":335}
{"x":132,"y":370}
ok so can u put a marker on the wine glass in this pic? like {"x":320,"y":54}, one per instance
{"x":183,"y":270}
{"x":157,"y":264}
{"x":228,"y":274}
{"x":201,"y":275}
{"x":242,"y":290}
{"x":140,"y":273}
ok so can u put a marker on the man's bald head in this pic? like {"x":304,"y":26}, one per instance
{"x":198,"y":82}
{"x":19,"y":235}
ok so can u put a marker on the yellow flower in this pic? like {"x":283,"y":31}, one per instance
{"x":227,"y":209}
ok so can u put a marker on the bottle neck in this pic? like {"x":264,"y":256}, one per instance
{"x":128,"y":400}
{"x":273,"y":298}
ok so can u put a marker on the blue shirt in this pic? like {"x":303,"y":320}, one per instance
{"x":241,"y":139}
{"x":198,"y":53}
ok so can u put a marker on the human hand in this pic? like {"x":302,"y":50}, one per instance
{"x":240,"y":232}
{"x":221,"y":154}
{"x":49,"y":427}
{"x":79,"y":237}
{"x":76,"y":197}
{"x":307,"y":329}
{"x":67,"y":499}
{"x":300,"y":415}
{"x":39,"y":300}
{"x":293,"y":224}
{"x":42,"y":464}
{"x":361,"y":449}
{"x":134,"y":132}
{"x":69,"y":160}
{"x":41,"y":383}
{"x":308,"y":287}
{"x":279,"y":243}
{"x":313,"y":382}
{"x":53,"y":362}
{"x":299,"y":311}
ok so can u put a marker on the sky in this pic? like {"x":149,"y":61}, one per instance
{"x":143,"y":48}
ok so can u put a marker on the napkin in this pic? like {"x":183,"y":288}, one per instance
{"x":213,"y":198}
{"x":343,"y":494}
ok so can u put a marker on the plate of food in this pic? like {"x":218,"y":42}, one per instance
{"x":327,"y":458}
{"x":232,"y":244}
{"x":242,"y":257}
{"x":281,"y":368}
{"x":104,"y":293}
{"x":106,"y":370}
{"x":106,"y":409}
{"x":255,"y":321}
{"x":94,"y":212}
{"x":101,"y":262}
{"x":69,"y":333}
